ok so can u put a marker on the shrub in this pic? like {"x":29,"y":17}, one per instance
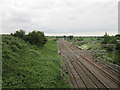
{"x":79,"y":39}
{"x":36,"y":37}
{"x":70,"y":37}
{"x":106,"y":39}
{"x":20,"y":34}
{"x":113,"y":40}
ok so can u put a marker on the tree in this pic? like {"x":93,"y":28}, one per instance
{"x":64,"y":37}
{"x":19,"y":33}
{"x":36,"y":37}
{"x":70,"y":37}
{"x":106,"y":39}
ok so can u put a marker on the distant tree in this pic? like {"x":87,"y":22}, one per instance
{"x":98,"y":38}
{"x":19,"y":33}
{"x":70,"y":37}
{"x":106,"y":39}
{"x":36,"y":37}
{"x":12,"y":34}
{"x":64,"y":36}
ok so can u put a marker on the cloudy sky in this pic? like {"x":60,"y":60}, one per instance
{"x":57,"y":17}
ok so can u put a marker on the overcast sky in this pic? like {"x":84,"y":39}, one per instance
{"x":81,"y":17}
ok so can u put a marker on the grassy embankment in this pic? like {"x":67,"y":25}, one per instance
{"x":0,"y":62}
{"x":29,"y":66}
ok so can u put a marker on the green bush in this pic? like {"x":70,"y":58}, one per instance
{"x":113,"y":40}
{"x":79,"y":39}
{"x":106,"y":39}
{"x":70,"y":37}
{"x":36,"y":37}
{"x":19,"y":33}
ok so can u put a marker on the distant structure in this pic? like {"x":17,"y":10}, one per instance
{"x":119,"y":17}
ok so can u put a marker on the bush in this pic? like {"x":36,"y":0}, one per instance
{"x":106,"y":39}
{"x":70,"y":37}
{"x":79,"y":39}
{"x":113,"y":40}
{"x":36,"y":37}
{"x":20,"y":34}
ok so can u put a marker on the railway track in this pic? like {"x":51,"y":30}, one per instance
{"x":110,"y":69}
{"x":85,"y":73}
{"x":106,"y":70}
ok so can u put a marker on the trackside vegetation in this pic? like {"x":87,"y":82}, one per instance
{"x":97,"y":44}
{"x":27,"y":65}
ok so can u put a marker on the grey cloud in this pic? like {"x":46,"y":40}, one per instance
{"x":19,"y":20}
{"x":70,"y":4}
{"x":72,"y":18}
{"x":60,"y":16}
{"x":19,"y":17}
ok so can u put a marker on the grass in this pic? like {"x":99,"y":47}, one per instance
{"x":28,"y":66}
{"x":0,"y":62}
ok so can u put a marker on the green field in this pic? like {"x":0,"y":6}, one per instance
{"x":29,"y":66}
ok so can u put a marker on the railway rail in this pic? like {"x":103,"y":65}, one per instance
{"x":84,"y":72}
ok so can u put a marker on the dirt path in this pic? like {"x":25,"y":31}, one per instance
{"x":84,"y":72}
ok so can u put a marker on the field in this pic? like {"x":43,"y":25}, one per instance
{"x":29,"y":66}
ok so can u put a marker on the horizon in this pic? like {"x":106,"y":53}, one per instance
{"x":69,"y":34}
